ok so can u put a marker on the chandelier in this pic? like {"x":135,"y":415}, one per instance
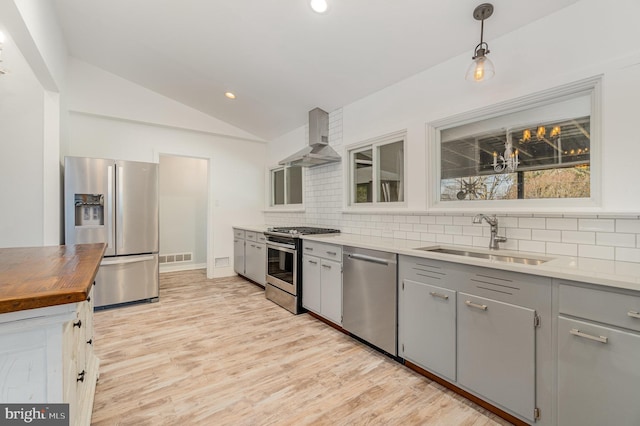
{"x":508,"y":161}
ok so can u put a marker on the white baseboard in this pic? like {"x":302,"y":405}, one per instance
{"x":175,"y":267}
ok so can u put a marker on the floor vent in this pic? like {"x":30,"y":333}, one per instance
{"x":176,"y":257}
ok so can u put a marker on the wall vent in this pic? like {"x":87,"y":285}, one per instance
{"x":175,"y":257}
{"x":221,"y":262}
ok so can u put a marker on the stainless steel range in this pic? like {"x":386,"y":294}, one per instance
{"x":284,"y":264}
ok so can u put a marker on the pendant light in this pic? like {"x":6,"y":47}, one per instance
{"x":481,"y":68}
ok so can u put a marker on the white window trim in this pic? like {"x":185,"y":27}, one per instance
{"x":593,"y":203}
{"x":269,"y":206}
{"x":348,"y":174}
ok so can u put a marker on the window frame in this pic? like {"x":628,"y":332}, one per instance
{"x":590,"y":86}
{"x":271,"y":194}
{"x":374,"y":144}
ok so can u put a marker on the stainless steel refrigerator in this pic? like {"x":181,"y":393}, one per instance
{"x":115,"y":202}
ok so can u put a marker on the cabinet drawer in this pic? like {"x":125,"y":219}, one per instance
{"x":617,"y":309}
{"x":424,"y":271}
{"x":250,"y":236}
{"x":323,"y":250}
{"x":260,"y":237}
{"x":238,"y":233}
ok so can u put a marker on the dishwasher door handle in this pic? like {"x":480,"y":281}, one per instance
{"x":366,"y":258}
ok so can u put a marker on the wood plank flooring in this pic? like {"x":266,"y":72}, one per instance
{"x":216,"y":352}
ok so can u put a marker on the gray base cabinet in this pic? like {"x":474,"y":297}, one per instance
{"x":496,"y":352}
{"x":238,"y":251}
{"x":322,"y":280}
{"x":428,"y":318}
{"x":598,"y":335}
{"x":250,"y":255}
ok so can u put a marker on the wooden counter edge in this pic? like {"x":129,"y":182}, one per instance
{"x":54,"y":297}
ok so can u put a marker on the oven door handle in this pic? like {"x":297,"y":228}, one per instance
{"x":278,"y":246}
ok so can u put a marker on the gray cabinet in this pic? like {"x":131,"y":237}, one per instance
{"x":496,"y":352}
{"x":238,"y":251}
{"x":488,"y":331}
{"x":250,"y":255}
{"x":428,"y":322}
{"x":427,"y":316}
{"x":322,"y":280}
{"x":598,"y":368}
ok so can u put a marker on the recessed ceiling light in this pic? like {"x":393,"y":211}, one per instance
{"x":230,"y":95}
{"x":319,"y":6}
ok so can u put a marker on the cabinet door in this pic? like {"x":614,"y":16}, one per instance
{"x":331,"y":290}
{"x":428,"y":327}
{"x":496,"y":352}
{"x":238,"y":255}
{"x":311,"y":283}
{"x":255,"y":262}
{"x":598,"y":375}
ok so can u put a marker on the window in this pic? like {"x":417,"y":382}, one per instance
{"x":536,"y":149}
{"x":286,"y":186}
{"x":376,"y":171}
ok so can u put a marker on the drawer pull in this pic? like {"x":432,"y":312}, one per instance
{"x":326,"y":266}
{"x":475,"y":305}
{"x":440,"y":295}
{"x":78,"y":324}
{"x":332,"y":253}
{"x":313,"y":262}
{"x":579,"y":333}
{"x":309,"y":248}
{"x":634,"y":314}
{"x":259,"y":247}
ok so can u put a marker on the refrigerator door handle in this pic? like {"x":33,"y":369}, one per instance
{"x":121,"y":261}
{"x":110,"y":224}
{"x":120,"y":228}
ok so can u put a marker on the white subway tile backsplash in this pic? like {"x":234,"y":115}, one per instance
{"x":615,"y":239}
{"x":578,"y":237}
{"x":436,"y":229}
{"x":544,"y":235}
{"x":532,"y":222}
{"x":462,"y":220}
{"x":532,"y":246}
{"x":415,"y":236}
{"x":429,"y":220}
{"x":518,"y":234}
{"x":562,"y":249}
{"x":507,"y":222}
{"x":474,"y":231}
{"x":562,"y":224}
{"x":628,"y":225}
{"x":406,"y":227}
{"x":420,"y":227}
{"x":598,"y":225}
{"x":444,"y":239}
{"x":627,"y":254}
{"x":399,"y":219}
{"x":453,"y":229}
{"x":596,"y":252}
{"x":444,"y":220}
{"x":427,"y":237}
{"x":481,"y":242}
{"x":463,"y":240}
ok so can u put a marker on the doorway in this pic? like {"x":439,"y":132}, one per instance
{"x":183,"y":195}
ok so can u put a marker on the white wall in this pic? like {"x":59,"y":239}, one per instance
{"x":183,"y":209}
{"x":236,"y":165}
{"x":586,"y":39}
{"x":21,"y":145}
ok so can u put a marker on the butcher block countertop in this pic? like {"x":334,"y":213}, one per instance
{"x":37,"y":277}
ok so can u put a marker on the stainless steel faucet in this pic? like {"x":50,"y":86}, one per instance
{"x":493,"y":223}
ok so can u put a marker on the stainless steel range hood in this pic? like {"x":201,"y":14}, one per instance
{"x":318,"y":152}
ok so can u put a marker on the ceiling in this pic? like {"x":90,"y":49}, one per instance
{"x":279,"y":57}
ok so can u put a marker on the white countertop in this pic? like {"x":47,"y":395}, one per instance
{"x":622,"y":275}
{"x":252,"y":228}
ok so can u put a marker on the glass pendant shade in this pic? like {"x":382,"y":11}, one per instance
{"x":480,"y":69}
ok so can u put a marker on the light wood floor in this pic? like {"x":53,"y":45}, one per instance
{"x":216,"y":352}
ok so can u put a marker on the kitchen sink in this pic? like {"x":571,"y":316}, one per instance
{"x":488,"y":256}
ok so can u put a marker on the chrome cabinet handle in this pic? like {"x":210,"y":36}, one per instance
{"x":440,"y":295}
{"x":475,"y":305}
{"x":313,"y":262}
{"x":326,"y":266}
{"x":309,"y":248}
{"x":634,"y":314}
{"x":579,"y":333}
{"x":332,"y":253}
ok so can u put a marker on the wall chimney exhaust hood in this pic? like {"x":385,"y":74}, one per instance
{"x":318,"y":152}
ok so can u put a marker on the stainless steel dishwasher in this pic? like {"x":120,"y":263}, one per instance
{"x":369,"y":296}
